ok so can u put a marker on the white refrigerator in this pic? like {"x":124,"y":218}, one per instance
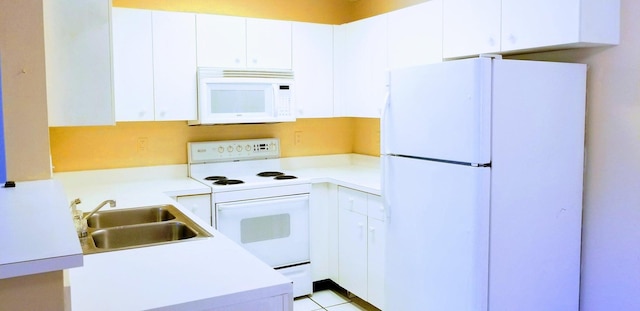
{"x":482,"y":163}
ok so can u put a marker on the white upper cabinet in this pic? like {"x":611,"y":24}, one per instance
{"x":415,"y":35}
{"x":510,"y":26}
{"x":221,"y":41}
{"x":360,"y":67}
{"x":549,"y":23}
{"x":237,"y":42}
{"x":133,"y":64}
{"x":154,"y":65}
{"x":366,"y":49}
{"x":470,"y":27}
{"x":312,"y":50}
{"x":77,"y":37}
{"x":174,"y":65}
{"x":268,"y":44}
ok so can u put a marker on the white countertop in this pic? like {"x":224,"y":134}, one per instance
{"x":37,"y":234}
{"x":185,"y":275}
{"x":355,"y":171}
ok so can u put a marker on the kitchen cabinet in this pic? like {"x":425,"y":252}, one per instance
{"x":199,"y":204}
{"x":470,"y":27}
{"x":361,"y":245}
{"x":133,"y":64}
{"x":78,"y":62}
{"x":360,"y":67}
{"x":237,"y":42}
{"x":415,"y":35}
{"x":154,"y":65}
{"x":509,"y":26}
{"x":174,"y":66}
{"x":312,"y":51}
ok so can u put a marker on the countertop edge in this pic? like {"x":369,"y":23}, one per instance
{"x":17,"y":269}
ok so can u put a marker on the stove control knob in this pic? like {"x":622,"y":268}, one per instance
{"x":272,"y":146}
{"x":220,"y":149}
{"x":230,"y":149}
{"x":239,"y":148}
{"x":247,"y":147}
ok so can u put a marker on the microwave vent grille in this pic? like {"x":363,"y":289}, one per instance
{"x":239,"y":73}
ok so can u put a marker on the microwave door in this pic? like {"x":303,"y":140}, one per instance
{"x":230,"y":101}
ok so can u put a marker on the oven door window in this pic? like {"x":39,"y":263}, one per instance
{"x":265,"y":228}
{"x":276,"y":230}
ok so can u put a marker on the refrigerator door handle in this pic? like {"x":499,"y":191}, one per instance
{"x":384,"y":124}
{"x":386,"y":202}
{"x":384,"y":130}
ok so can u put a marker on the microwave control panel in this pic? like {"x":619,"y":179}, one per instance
{"x":284,"y":106}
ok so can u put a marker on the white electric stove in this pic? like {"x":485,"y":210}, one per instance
{"x":256,"y":203}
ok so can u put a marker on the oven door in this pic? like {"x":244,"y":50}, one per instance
{"x":276,"y":230}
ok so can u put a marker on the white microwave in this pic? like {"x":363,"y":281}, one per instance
{"x":231,"y":96}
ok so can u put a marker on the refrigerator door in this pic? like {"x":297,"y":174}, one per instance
{"x":536,"y":185}
{"x":437,"y":235}
{"x":448,"y":105}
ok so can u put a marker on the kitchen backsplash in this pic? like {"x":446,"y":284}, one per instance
{"x":131,"y":144}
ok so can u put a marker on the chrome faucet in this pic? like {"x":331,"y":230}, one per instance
{"x":112,"y":203}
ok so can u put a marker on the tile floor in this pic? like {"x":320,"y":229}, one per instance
{"x":325,"y":300}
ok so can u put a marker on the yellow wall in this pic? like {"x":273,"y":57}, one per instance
{"x":316,"y":11}
{"x":84,"y":148}
{"x":97,"y":147}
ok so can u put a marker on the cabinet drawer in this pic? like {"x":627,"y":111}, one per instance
{"x":352,"y":200}
{"x":375,"y":209}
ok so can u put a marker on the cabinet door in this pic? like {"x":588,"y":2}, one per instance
{"x":340,"y":71}
{"x":470,"y":27}
{"x":174,"y":65}
{"x":375,"y":263}
{"x":221,"y":41}
{"x":268,"y":43}
{"x":133,"y":64}
{"x":312,"y":48}
{"x":199,"y":204}
{"x":352,"y":252}
{"x":529,"y":24}
{"x":415,"y":35}
{"x":78,"y":62}
{"x":362,"y":67}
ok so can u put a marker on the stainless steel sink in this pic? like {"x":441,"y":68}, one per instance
{"x":131,"y":216}
{"x":138,"y":227}
{"x":152,"y":233}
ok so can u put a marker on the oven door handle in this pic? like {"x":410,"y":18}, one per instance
{"x":247,"y":204}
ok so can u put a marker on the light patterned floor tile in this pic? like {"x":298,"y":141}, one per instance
{"x":327,"y":298}
{"x":305,"y":304}
{"x":345,"y":307}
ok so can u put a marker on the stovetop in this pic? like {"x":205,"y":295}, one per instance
{"x":227,"y":165}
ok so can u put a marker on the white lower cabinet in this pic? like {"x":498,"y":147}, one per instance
{"x":199,"y":204}
{"x":361,"y":240}
{"x":280,"y":302}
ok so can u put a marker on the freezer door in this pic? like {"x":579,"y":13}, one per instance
{"x":447,"y":105}
{"x":437,"y":238}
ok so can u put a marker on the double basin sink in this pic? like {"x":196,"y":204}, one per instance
{"x":138,"y":227}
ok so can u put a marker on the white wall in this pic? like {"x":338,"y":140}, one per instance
{"x":611,"y":226}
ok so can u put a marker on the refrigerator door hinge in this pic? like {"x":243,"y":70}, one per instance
{"x":481,"y":164}
{"x":494,"y":56}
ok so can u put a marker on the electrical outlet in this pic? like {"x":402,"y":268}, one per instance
{"x":297,"y":140}
{"x":142,"y":144}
